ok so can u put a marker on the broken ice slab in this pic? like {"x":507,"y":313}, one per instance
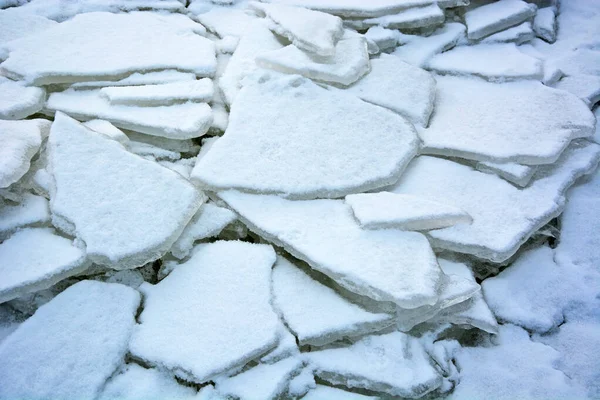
{"x":34,"y":259}
{"x":386,"y":265}
{"x":205,"y":303}
{"x":384,"y":210}
{"x":318,"y":143}
{"x":176,"y":145}
{"x":321,"y":392}
{"x":141,"y":78}
{"x":160,"y":95}
{"x":151,"y":152}
{"x":472,"y":117}
{"x":489,"y":199}
{"x":225,"y":21}
{"x":261,"y":382}
{"x":71,"y":345}
{"x":500,"y":62}
{"x":302,"y":383}
{"x":395,"y":364}
{"x":21,"y":140}
{"x":179,"y":121}
{"x":30,"y":210}
{"x":544,"y":24}
{"x":410,"y":18}
{"x":209,"y":221}
{"x":495,"y":17}
{"x":127,"y":210}
{"x":113,"y":46}
{"x":311,"y":31}
{"x":401,"y":87}
{"x":349,"y":63}
{"x":315,"y":313}
{"x":286,"y":347}
{"x":385,"y":39}
{"x":515,"y":173}
{"x":517,"y":34}
{"x":586,"y":87}
{"x":418,"y":50}
{"x":106,"y":128}
{"x":18,"y":101}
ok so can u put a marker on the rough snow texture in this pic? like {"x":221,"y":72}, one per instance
{"x":217,"y":305}
{"x":70,"y":346}
{"x":31,"y":210}
{"x":418,"y":50}
{"x":293,"y":155}
{"x":95,"y":199}
{"x":491,"y":18}
{"x":18,"y":101}
{"x":113,"y":46}
{"x":385,"y":210}
{"x":517,"y":174}
{"x":544,"y":24}
{"x":160,"y":95}
{"x":385,"y":265}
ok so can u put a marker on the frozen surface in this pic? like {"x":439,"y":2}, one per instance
{"x":141,"y":78}
{"x":418,"y":50}
{"x":544,"y":24}
{"x":472,"y":117}
{"x":217,"y":305}
{"x":34,"y":259}
{"x":491,"y":18}
{"x":71,"y":345}
{"x":348,"y":64}
{"x":394,"y":363}
{"x":385,"y":210}
{"x":160,"y":95}
{"x":293,"y":155}
{"x":385,"y":265}
{"x":18,"y":101}
{"x":93,"y":198}
{"x":517,"y":34}
{"x":401,"y":87}
{"x":315,"y":313}
{"x":31,"y":210}
{"x":518,"y":174}
{"x":179,"y":121}
{"x":586,"y":87}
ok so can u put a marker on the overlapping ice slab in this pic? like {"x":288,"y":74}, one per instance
{"x":160,"y":95}
{"x":34,"y":259}
{"x":18,"y":101}
{"x":472,"y":118}
{"x":30,"y":210}
{"x":317,"y":143}
{"x":141,"y":78}
{"x":311,"y":31}
{"x":315,"y":313}
{"x":385,"y":265}
{"x":225,"y":21}
{"x":106,"y":128}
{"x":517,"y":34}
{"x":418,"y":50}
{"x":211,"y":314}
{"x":410,"y":18}
{"x":384,"y":210}
{"x":178,"y":121}
{"x":128,"y":211}
{"x":112,"y":46}
{"x":497,"y":16}
{"x":71,"y":345}
{"x":504,"y":217}
{"x":544,"y":24}
{"x":518,"y":174}
{"x":395,"y":364}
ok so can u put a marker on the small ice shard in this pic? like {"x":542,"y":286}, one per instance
{"x":127,"y":210}
{"x":178,"y":121}
{"x":418,"y":50}
{"x":217,"y":304}
{"x":141,"y":78}
{"x":106,"y":128}
{"x":317,"y":143}
{"x":349,"y":63}
{"x":18,"y":101}
{"x":34,"y":259}
{"x":21,"y":140}
{"x":31,"y":210}
{"x":115,"y":45}
{"x":14,"y":24}
{"x":262,"y":382}
{"x":138,"y":383}
{"x":225,"y":21}
{"x":517,"y":34}
{"x":315,"y":313}
{"x":385,"y":39}
{"x":410,"y":18}
{"x":586,"y":87}
{"x":401,"y":87}
{"x":395,"y":364}
{"x":498,"y":16}
{"x":385,"y":265}
{"x":472,"y":117}
{"x":518,"y":174}
{"x":544,"y":24}
{"x":209,"y":221}
{"x":384,"y":210}
{"x":160,"y":95}
{"x":502,"y":61}
{"x":311,"y":31}
{"x":71,"y":345}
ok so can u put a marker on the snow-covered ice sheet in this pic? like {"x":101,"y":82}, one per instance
{"x":141,"y":78}
{"x":517,"y":34}
{"x":18,"y":101}
{"x":518,"y":174}
{"x":497,"y":16}
{"x":348,"y":64}
{"x":315,"y":313}
{"x":34,"y":259}
{"x":579,"y":62}
{"x":410,"y":18}
{"x":586,"y":87}
{"x":384,"y":38}
{"x":106,"y":45}
{"x":385,"y":210}
{"x":31,"y":210}
{"x":418,"y":50}
{"x":544,"y":24}
{"x":293,"y":155}
{"x":472,"y":118}
{"x":128,"y":211}
{"x":211,"y":314}
{"x":385,"y":265}
{"x":71,"y":345}
{"x":160,"y":95}
{"x":178,"y":121}
{"x":225,"y":21}
{"x":14,"y":24}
